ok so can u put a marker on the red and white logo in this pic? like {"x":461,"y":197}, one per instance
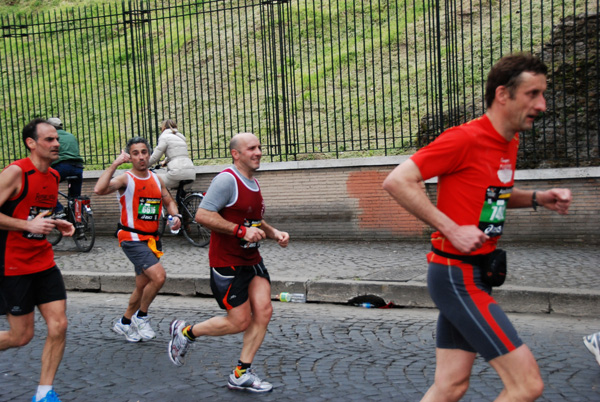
{"x":505,"y":171}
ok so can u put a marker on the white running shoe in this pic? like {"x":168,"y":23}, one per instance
{"x":248,"y":382}
{"x":592,"y":342}
{"x":142,"y":326}
{"x":179,"y":344}
{"x":130,"y":333}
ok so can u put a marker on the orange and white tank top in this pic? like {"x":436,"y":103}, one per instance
{"x":141,"y":206}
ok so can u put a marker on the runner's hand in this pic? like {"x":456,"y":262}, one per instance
{"x":556,"y":199}
{"x":254,"y":234}
{"x":123,"y":158}
{"x":283,"y":238}
{"x":467,"y":238}
{"x":40,"y":225}
{"x":65,"y":227}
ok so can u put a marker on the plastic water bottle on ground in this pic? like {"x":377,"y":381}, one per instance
{"x":292,"y":297}
{"x":171,"y":225}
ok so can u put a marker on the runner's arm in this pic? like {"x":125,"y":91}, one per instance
{"x":170,"y":204}
{"x":216,"y":223}
{"x":554,"y":199}
{"x":10,"y":186}
{"x":283,"y":238}
{"x":106,"y":184}
{"x":405,"y":185}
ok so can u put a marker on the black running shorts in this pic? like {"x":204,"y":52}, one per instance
{"x":470,"y":319}
{"x":230,"y":284}
{"x":20,"y":294}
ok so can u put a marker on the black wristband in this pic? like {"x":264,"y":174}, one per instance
{"x":534,"y":202}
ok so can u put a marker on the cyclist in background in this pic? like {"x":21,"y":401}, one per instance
{"x":172,"y":144}
{"x":141,"y":196}
{"x":69,"y":162}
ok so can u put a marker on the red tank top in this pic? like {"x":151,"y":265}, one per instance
{"x":24,"y":252}
{"x":141,"y":205}
{"x":248,"y":209}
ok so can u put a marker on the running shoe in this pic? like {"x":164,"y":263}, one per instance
{"x":248,"y":382}
{"x":142,"y":326}
{"x":592,"y":342}
{"x":128,"y":330}
{"x":51,"y":396}
{"x":179,"y":344}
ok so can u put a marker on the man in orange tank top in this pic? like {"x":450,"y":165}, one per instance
{"x":141,"y":195}
{"x":28,"y":274}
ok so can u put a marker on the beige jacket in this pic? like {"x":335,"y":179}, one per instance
{"x":172,"y":144}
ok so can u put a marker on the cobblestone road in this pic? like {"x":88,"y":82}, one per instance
{"x":316,"y":352}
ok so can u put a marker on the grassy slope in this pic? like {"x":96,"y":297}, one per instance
{"x":343,"y":73}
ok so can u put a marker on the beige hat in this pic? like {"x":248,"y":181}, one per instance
{"x":55,"y":121}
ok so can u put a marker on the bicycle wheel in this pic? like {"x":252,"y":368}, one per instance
{"x":162,"y":223}
{"x":194,"y":232}
{"x":85,"y":232}
{"x":54,"y":236}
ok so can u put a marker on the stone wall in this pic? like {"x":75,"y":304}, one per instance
{"x":343,"y":200}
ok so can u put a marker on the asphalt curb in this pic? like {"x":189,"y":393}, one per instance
{"x":513,"y":299}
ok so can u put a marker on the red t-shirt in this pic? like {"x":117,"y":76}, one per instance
{"x":26,"y":253}
{"x":475,"y":167}
{"x":248,"y":210}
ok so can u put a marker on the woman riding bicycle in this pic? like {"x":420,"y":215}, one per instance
{"x":172,"y":144}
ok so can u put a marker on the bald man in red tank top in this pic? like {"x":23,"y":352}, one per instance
{"x":233,"y":210}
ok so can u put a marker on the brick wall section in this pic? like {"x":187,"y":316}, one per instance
{"x":346,"y":202}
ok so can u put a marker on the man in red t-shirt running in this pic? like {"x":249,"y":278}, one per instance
{"x":233,"y":210}
{"x":475,"y":165}
{"x":28,"y":274}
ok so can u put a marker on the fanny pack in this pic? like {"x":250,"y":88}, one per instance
{"x":151,"y":241}
{"x":120,"y":226}
{"x":492,"y":265}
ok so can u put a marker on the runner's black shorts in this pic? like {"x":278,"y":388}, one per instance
{"x":470,"y":319}
{"x":230,"y":284}
{"x":20,"y":294}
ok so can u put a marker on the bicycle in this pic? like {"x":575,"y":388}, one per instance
{"x":188,"y":202}
{"x":78,"y":211}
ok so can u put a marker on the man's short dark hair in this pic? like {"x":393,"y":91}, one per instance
{"x":138,"y":140}
{"x":30,"y":130}
{"x":507,"y":72}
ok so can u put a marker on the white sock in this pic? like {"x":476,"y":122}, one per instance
{"x":42,"y":390}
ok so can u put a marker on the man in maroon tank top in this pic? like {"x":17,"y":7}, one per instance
{"x":233,"y":210}
{"x":28,"y":274}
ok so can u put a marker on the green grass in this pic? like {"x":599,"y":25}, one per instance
{"x":360,"y":80}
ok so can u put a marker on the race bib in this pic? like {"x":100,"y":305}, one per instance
{"x":250,"y":223}
{"x":33,"y":212}
{"x":491,"y":220}
{"x":149,"y":209}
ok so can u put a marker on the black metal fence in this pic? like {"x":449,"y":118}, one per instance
{"x":313,"y":78}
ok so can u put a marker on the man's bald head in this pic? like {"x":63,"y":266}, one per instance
{"x":239,"y":139}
